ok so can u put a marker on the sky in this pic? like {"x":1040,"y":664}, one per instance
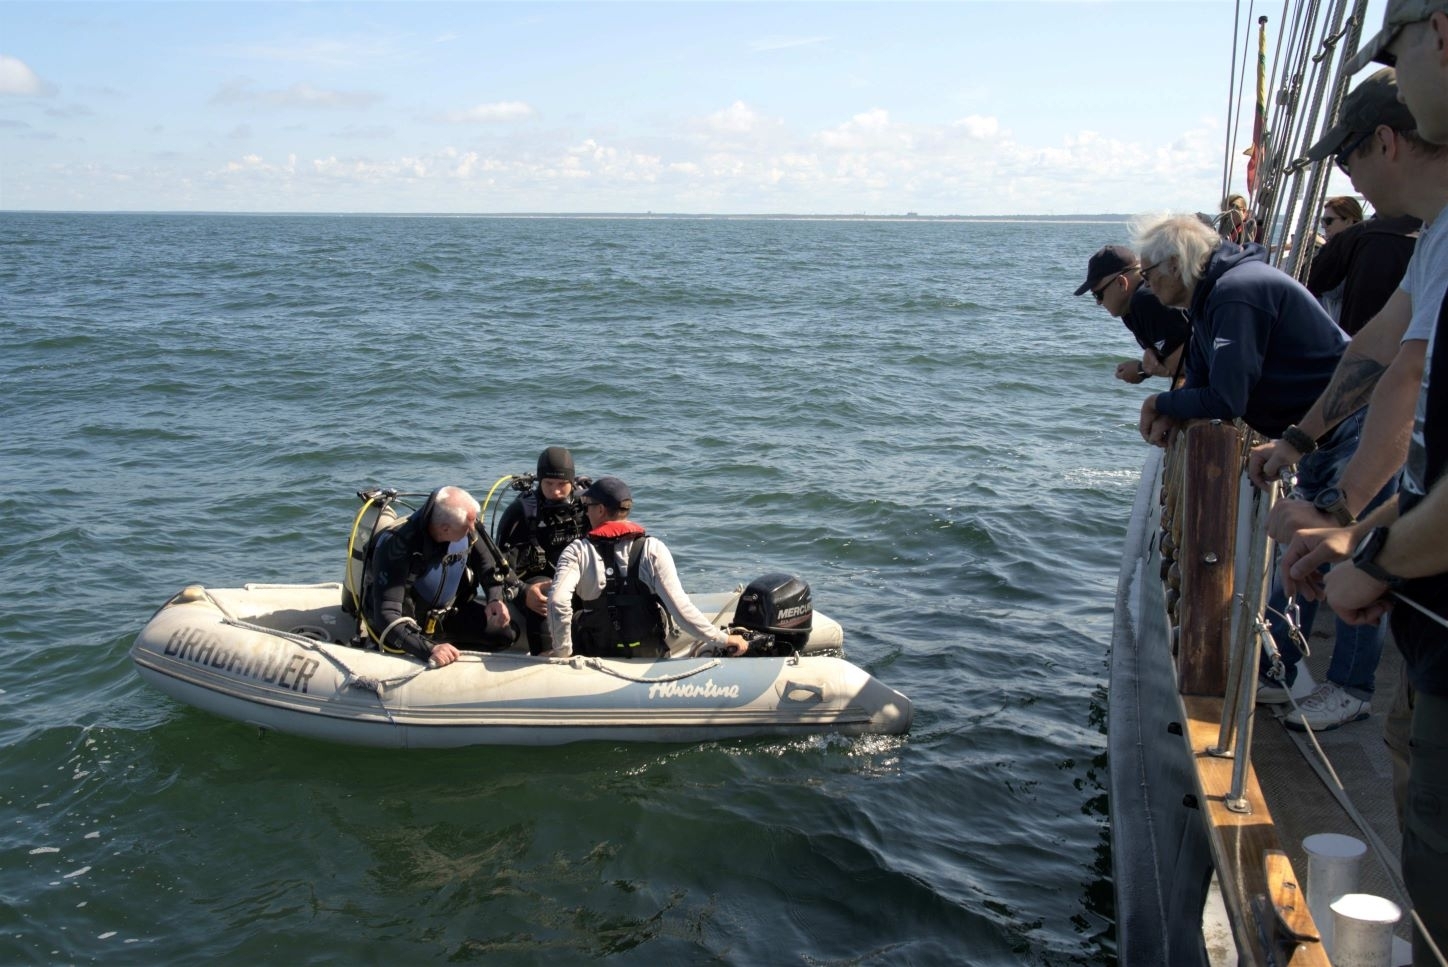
{"x":943,"y":108}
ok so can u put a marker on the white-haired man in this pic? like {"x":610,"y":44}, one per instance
{"x":427,"y":572}
{"x":1262,"y":347}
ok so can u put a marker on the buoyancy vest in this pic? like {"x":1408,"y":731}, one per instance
{"x":627,"y":620}
{"x":437,"y":585}
{"x":551,"y":526}
{"x":433,"y":580}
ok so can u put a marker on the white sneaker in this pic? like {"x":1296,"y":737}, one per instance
{"x":1326,"y":708}
{"x":1271,"y":693}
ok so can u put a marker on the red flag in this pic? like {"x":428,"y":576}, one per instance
{"x":1259,"y":119}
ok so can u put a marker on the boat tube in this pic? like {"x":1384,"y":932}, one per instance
{"x":278,"y":657}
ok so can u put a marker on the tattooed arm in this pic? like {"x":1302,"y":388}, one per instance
{"x":1363,"y":363}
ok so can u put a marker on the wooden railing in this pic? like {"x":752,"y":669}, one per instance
{"x":1202,"y":492}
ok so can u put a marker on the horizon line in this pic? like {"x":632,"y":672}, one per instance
{"x":818,"y":216}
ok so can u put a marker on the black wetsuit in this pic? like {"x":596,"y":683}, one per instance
{"x":532,"y":533}
{"x":408,"y":552}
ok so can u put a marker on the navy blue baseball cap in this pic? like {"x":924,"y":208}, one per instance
{"x":612,"y":492}
{"x":1110,"y":261}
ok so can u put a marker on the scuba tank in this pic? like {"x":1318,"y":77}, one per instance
{"x":377,"y":515}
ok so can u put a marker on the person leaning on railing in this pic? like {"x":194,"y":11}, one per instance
{"x":1113,"y":277}
{"x":1397,"y":559}
{"x":1375,"y":142}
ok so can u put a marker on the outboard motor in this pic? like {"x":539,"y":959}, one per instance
{"x":777,"y":605}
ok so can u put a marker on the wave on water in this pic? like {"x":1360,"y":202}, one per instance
{"x":917,"y":417}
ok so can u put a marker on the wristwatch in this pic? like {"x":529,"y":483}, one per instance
{"x":1298,"y":440}
{"x":1330,"y":500}
{"x":1365,"y":557}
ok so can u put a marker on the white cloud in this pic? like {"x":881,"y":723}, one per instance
{"x":63,"y":111}
{"x":735,"y":160}
{"x":737,"y":118}
{"x":978,"y":127}
{"x":18,"y":79}
{"x":299,"y":95}
{"x":871,"y":130}
{"x":491,"y":113}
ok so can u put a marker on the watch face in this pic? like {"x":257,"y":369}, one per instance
{"x":1326,"y":497}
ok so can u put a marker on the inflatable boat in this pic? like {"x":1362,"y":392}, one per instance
{"x":279,"y":657}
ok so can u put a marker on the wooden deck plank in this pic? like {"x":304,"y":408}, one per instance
{"x":1240,"y":841}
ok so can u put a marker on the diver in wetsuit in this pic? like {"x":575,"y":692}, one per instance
{"x":426,"y":575}
{"x":535,"y":529}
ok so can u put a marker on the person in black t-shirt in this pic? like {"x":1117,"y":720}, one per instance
{"x":1113,"y":276}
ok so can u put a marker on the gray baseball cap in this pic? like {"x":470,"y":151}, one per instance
{"x":1399,"y":14}
{"x":1371,"y":103}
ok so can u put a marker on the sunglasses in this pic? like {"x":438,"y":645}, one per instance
{"x":1100,"y":293}
{"x":1343,"y":157}
{"x":1148,"y":269}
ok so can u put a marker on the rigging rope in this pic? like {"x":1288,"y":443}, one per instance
{"x":1231,"y":78}
{"x":1236,"y":114}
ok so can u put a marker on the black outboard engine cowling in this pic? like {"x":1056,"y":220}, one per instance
{"x":777,"y":604}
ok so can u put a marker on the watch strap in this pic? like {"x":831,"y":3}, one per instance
{"x":1298,"y":440}
{"x":1336,"y":508}
{"x":1375,"y":571}
{"x":1365,"y":558}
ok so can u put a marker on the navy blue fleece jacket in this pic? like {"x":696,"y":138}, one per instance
{"x":1262,"y":348}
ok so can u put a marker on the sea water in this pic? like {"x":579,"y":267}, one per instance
{"x":917,"y":417}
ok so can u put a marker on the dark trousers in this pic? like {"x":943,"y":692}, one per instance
{"x":467,"y":629}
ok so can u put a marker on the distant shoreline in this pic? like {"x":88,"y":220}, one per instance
{"x":639,"y":216}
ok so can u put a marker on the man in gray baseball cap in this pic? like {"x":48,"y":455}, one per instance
{"x":1414,"y":39}
{"x":1371,"y":104}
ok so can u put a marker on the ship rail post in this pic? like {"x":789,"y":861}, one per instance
{"x":1250,"y":599}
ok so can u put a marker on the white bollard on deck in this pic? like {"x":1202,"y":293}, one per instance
{"x":1363,"y":930}
{"x":1332,"y":870}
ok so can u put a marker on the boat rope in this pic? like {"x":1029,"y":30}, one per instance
{"x":1322,"y":765}
{"x":598,"y":666}
{"x":1231,"y":79}
{"x":1428,"y":938}
{"x":1320,"y":762}
{"x":1411,"y":603}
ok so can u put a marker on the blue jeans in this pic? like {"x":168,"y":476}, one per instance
{"x":1357,"y":648}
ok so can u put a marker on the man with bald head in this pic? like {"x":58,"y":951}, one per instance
{"x":427,"y":573}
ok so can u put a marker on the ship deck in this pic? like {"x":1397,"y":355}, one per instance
{"x":1302,"y":800}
